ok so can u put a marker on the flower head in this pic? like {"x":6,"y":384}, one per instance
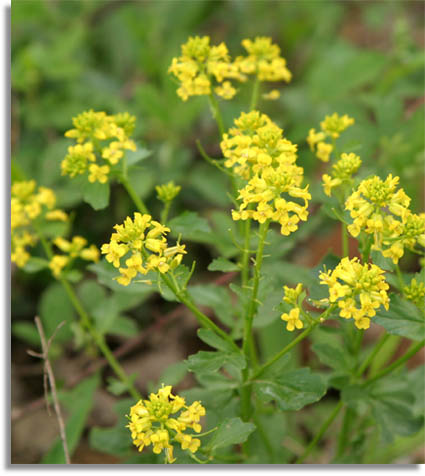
{"x":102,"y":140}
{"x":415,"y":292}
{"x":359,"y":289}
{"x":203,"y":67}
{"x":164,"y":418}
{"x":341,"y":172}
{"x":146,"y":240}
{"x":258,"y":152}
{"x":292,"y":319}
{"x":167,"y":192}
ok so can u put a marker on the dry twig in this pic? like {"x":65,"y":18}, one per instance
{"x":49,"y":379}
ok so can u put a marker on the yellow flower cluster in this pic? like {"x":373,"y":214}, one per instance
{"x":154,"y":422}
{"x":415,"y":292}
{"x":73,"y":249}
{"x":30,"y":204}
{"x":341,"y":172}
{"x":145,"y":239}
{"x":201,"y":66}
{"x":292,"y":319}
{"x":358,"y":289}
{"x":101,"y":142}
{"x":263,"y":60}
{"x":258,"y":152}
{"x":331,"y":128}
{"x":379,"y":209}
{"x":167,"y":192}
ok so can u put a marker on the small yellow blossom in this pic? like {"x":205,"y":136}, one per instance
{"x":202,"y":66}
{"x":293,"y":319}
{"x":257,"y":151}
{"x":359,"y":289}
{"x":146,"y":239}
{"x":272,"y":95}
{"x":292,"y":294}
{"x":156,"y":422}
{"x":342,"y":172}
{"x":331,"y":126}
{"x":56,"y":215}
{"x":263,"y":60}
{"x":100,"y":137}
{"x":57,"y":263}
{"x":99,"y":174}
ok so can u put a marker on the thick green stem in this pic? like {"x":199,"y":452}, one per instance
{"x":245,"y":253}
{"x":321,"y":432}
{"x":133,"y":195}
{"x":413,"y":349}
{"x":87,"y":324}
{"x":216,"y":113}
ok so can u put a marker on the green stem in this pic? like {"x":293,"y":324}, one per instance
{"x":284,"y":351}
{"x":86,"y":322}
{"x":216,"y":113}
{"x":321,"y":432}
{"x":344,"y":435}
{"x":345,"y":247}
{"x":263,"y":434}
{"x":372,"y":354}
{"x":204,"y":320}
{"x":245,"y":253}
{"x":133,"y":195}
{"x":255,"y":94}
{"x":414,"y":348}
{"x":400,"y":278}
{"x":253,"y":302}
{"x":165,"y":212}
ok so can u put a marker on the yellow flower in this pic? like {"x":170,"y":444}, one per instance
{"x":155,"y":422}
{"x":415,"y":292}
{"x":257,"y":151}
{"x":335,"y":124}
{"x":358,"y":289}
{"x":201,"y":66}
{"x":146,"y":239}
{"x":379,"y":209}
{"x":272,"y":95}
{"x":57,"y":263}
{"x":90,"y":254}
{"x":264,"y":60}
{"x":292,"y":294}
{"x":56,"y":215}
{"x":324,"y":151}
{"x":99,"y":174}
{"x":293,"y":319}
{"x":77,"y":159}
{"x":341,"y":172}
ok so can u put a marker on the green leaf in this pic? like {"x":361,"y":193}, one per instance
{"x":115,"y":440}
{"x":191,"y":227}
{"x":27,"y":332}
{"x":291,"y":390}
{"x":231,"y":432}
{"x":136,"y":156}
{"x":91,"y":294}
{"x":207,"y":362}
{"x":96,"y":194}
{"x":123,"y":326}
{"x":402,"y":319}
{"x":78,"y":403}
{"x":117,"y":387}
{"x":333,"y":355}
{"x":213,"y":340}
{"x":173,"y":374}
{"x":222,"y":264}
{"x":217,"y":298}
{"x":55,"y":307}
{"x":35,"y":264}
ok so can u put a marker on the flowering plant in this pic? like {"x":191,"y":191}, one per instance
{"x":248,"y":379}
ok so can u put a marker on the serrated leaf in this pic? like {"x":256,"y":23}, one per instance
{"x":212,"y":339}
{"x":291,"y":390}
{"x":191,"y":227}
{"x":207,"y":362}
{"x":231,"y":432}
{"x":402,"y":319}
{"x":96,"y":194}
{"x":223,"y":264}
{"x":217,"y":298}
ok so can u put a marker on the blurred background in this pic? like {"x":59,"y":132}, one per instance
{"x":364,"y":59}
